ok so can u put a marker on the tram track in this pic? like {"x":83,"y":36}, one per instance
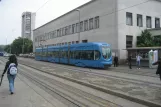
{"x":140,"y":101}
{"x":89,"y":71}
{"x":70,"y":96}
{"x":50,"y":90}
{"x":59,"y":87}
{"x":134,"y":72}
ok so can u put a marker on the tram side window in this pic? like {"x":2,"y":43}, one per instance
{"x":49,"y":54}
{"x":84,"y":55}
{"x":97,"y":55}
{"x":90,"y":55}
{"x":63,"y":54}
{"x":77,"y":54}
{"x":60,"y":54}
{"x":45,"y":54}
{"x":55,"y":54}
{"x":42,"y":54}
{"x":72,"y":54}
{"x":37,"y":54}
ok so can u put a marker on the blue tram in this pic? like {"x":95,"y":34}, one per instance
{"x":96,"y":55}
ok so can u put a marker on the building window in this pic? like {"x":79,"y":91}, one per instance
{"x":139,"y":20}
{"x":90,"y":23}
{"x":73,"y":42}
{"x":50,"y":34}
{"x":73,"y":28}
{"x":157,"y":23}
{"x":85,"y":25}
{"x":77,"y":27}
{"x":69,"y":29}
{"x":148,"y":22}
{"x":66,"y":30}
{"x":96,"y":22}
{"x":58,"y":33}
{"x":81,"y":26}
{"x":157,"y":40}
{"x":84,"y":41}
{"x":63,"y":31}
{"x":69,"y":43}
{"x":55,"y":34}
{"x":129,"y":19}
{"x":46,"y":36}
{"x":77,"y":42}
{"x":129,"y":40}
{"x":28,"y":21}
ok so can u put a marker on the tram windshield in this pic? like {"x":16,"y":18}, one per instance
{"x":106,"y":52}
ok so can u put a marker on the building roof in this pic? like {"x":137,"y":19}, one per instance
{"x":66,"y":14}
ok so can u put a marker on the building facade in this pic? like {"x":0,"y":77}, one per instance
{"x":155,"y":32}
{"x":117,"y":22}
{"x":28,"y":25}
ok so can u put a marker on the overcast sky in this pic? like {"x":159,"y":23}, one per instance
{"x":11,"y":11}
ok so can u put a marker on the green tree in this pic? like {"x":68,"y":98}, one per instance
{"x":17,"y":46}
{"x":145,"y":40}
{"x":157,"y":40}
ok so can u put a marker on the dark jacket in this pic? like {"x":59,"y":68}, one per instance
{"x":115,"y":59}
{"x":159,"y":66}
{"x":7,"y":66}
{"x":129,"y":59}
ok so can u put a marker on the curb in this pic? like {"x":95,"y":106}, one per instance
{"x":133,"y":99}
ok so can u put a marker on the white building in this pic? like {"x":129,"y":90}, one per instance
{"x":28,"y":25}
{"x":117,"y":22}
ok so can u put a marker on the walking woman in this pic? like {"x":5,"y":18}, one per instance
{"x":11,"y":68}
{"x":159,"y":67}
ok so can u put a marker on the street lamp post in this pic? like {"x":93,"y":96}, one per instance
{"x":79,"y":25}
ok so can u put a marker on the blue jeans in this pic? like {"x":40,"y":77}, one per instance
{"x":138,"y":64}
{"x":11,"y":79}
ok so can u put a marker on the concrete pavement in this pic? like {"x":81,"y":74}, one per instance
{"x":122,"y":83}
{"x":143,"y":89}
{"x":24,"y":95}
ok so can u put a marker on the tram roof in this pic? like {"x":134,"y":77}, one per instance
{"x":84,"y":44}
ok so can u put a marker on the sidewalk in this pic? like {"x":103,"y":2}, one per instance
{"x":24,"y":96}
